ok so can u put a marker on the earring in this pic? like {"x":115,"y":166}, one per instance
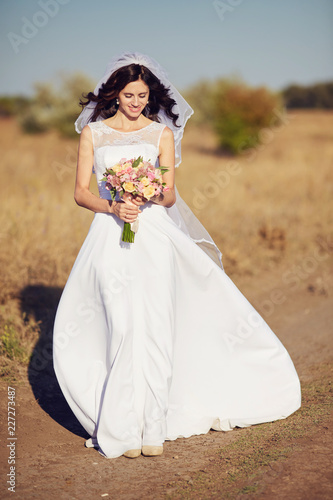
{"x":117,"y":102}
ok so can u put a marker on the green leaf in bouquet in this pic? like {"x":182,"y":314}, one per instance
{"x":107,"y":172}
{"x":137,"y":162}
{"x":163,"y":169}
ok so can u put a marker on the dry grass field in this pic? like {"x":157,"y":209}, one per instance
{"x":270,"y":211}
{"x":266,"y":209}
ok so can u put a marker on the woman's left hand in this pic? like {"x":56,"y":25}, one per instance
{"x":135,"y":199}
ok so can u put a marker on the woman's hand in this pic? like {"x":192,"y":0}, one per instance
{"x":126,"y":209}
{"x":137,"y":199}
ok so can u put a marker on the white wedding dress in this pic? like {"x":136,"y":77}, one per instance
{"x":152,"y":340}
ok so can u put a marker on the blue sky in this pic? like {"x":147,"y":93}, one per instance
{"x":266,"y":42}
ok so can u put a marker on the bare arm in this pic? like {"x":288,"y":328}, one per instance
{"x":167,"y":159}
{"x":83,"y":196}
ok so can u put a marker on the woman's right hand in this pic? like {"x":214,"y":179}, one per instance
{"x":125,"y":210}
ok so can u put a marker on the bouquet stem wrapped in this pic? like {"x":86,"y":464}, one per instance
{"x":128,"y":234}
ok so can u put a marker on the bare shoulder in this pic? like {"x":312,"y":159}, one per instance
{"x":167,"y":147}
{"x":167,"y":135}
{"x":86,"y":132}
{"x":86,"y":138}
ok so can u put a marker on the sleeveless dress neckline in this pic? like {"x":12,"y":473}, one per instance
{"x":131,"y":132}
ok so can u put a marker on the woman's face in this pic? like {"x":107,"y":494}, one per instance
{"x":133,"y":98}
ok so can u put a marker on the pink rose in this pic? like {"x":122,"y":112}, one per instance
{"x":140,"y":187}
{"x":141,"y":171}
{"x":126,"y":178}
{"x":115,"y":181}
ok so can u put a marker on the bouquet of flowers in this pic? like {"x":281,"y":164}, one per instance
{"x":137,"y":177}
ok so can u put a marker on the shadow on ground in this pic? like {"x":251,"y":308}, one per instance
{"x":41,"y":302}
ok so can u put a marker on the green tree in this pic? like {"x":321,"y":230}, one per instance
{"x":241,"y":112}
{"x":318,"y":96}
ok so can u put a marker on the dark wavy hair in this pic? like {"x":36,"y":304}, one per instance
{"x":106,"y":106}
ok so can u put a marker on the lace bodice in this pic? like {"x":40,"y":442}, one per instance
{"x":110,"y":146}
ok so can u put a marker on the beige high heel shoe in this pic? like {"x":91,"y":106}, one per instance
{"x":152,"y":451}
{"x":132,"y":453}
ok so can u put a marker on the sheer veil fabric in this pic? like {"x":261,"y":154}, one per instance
{"x":180,"y":213}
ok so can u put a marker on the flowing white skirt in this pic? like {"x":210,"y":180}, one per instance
{"x":153,"y":341}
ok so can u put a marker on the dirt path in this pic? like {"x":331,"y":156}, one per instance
{"x":52,"y":463}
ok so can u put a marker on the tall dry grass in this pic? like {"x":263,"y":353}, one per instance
{"x":275,"y":207}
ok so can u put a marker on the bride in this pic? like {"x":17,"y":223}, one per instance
{"x":152,"y":340}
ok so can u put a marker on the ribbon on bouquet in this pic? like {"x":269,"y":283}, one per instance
{"x":135,"y":225}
